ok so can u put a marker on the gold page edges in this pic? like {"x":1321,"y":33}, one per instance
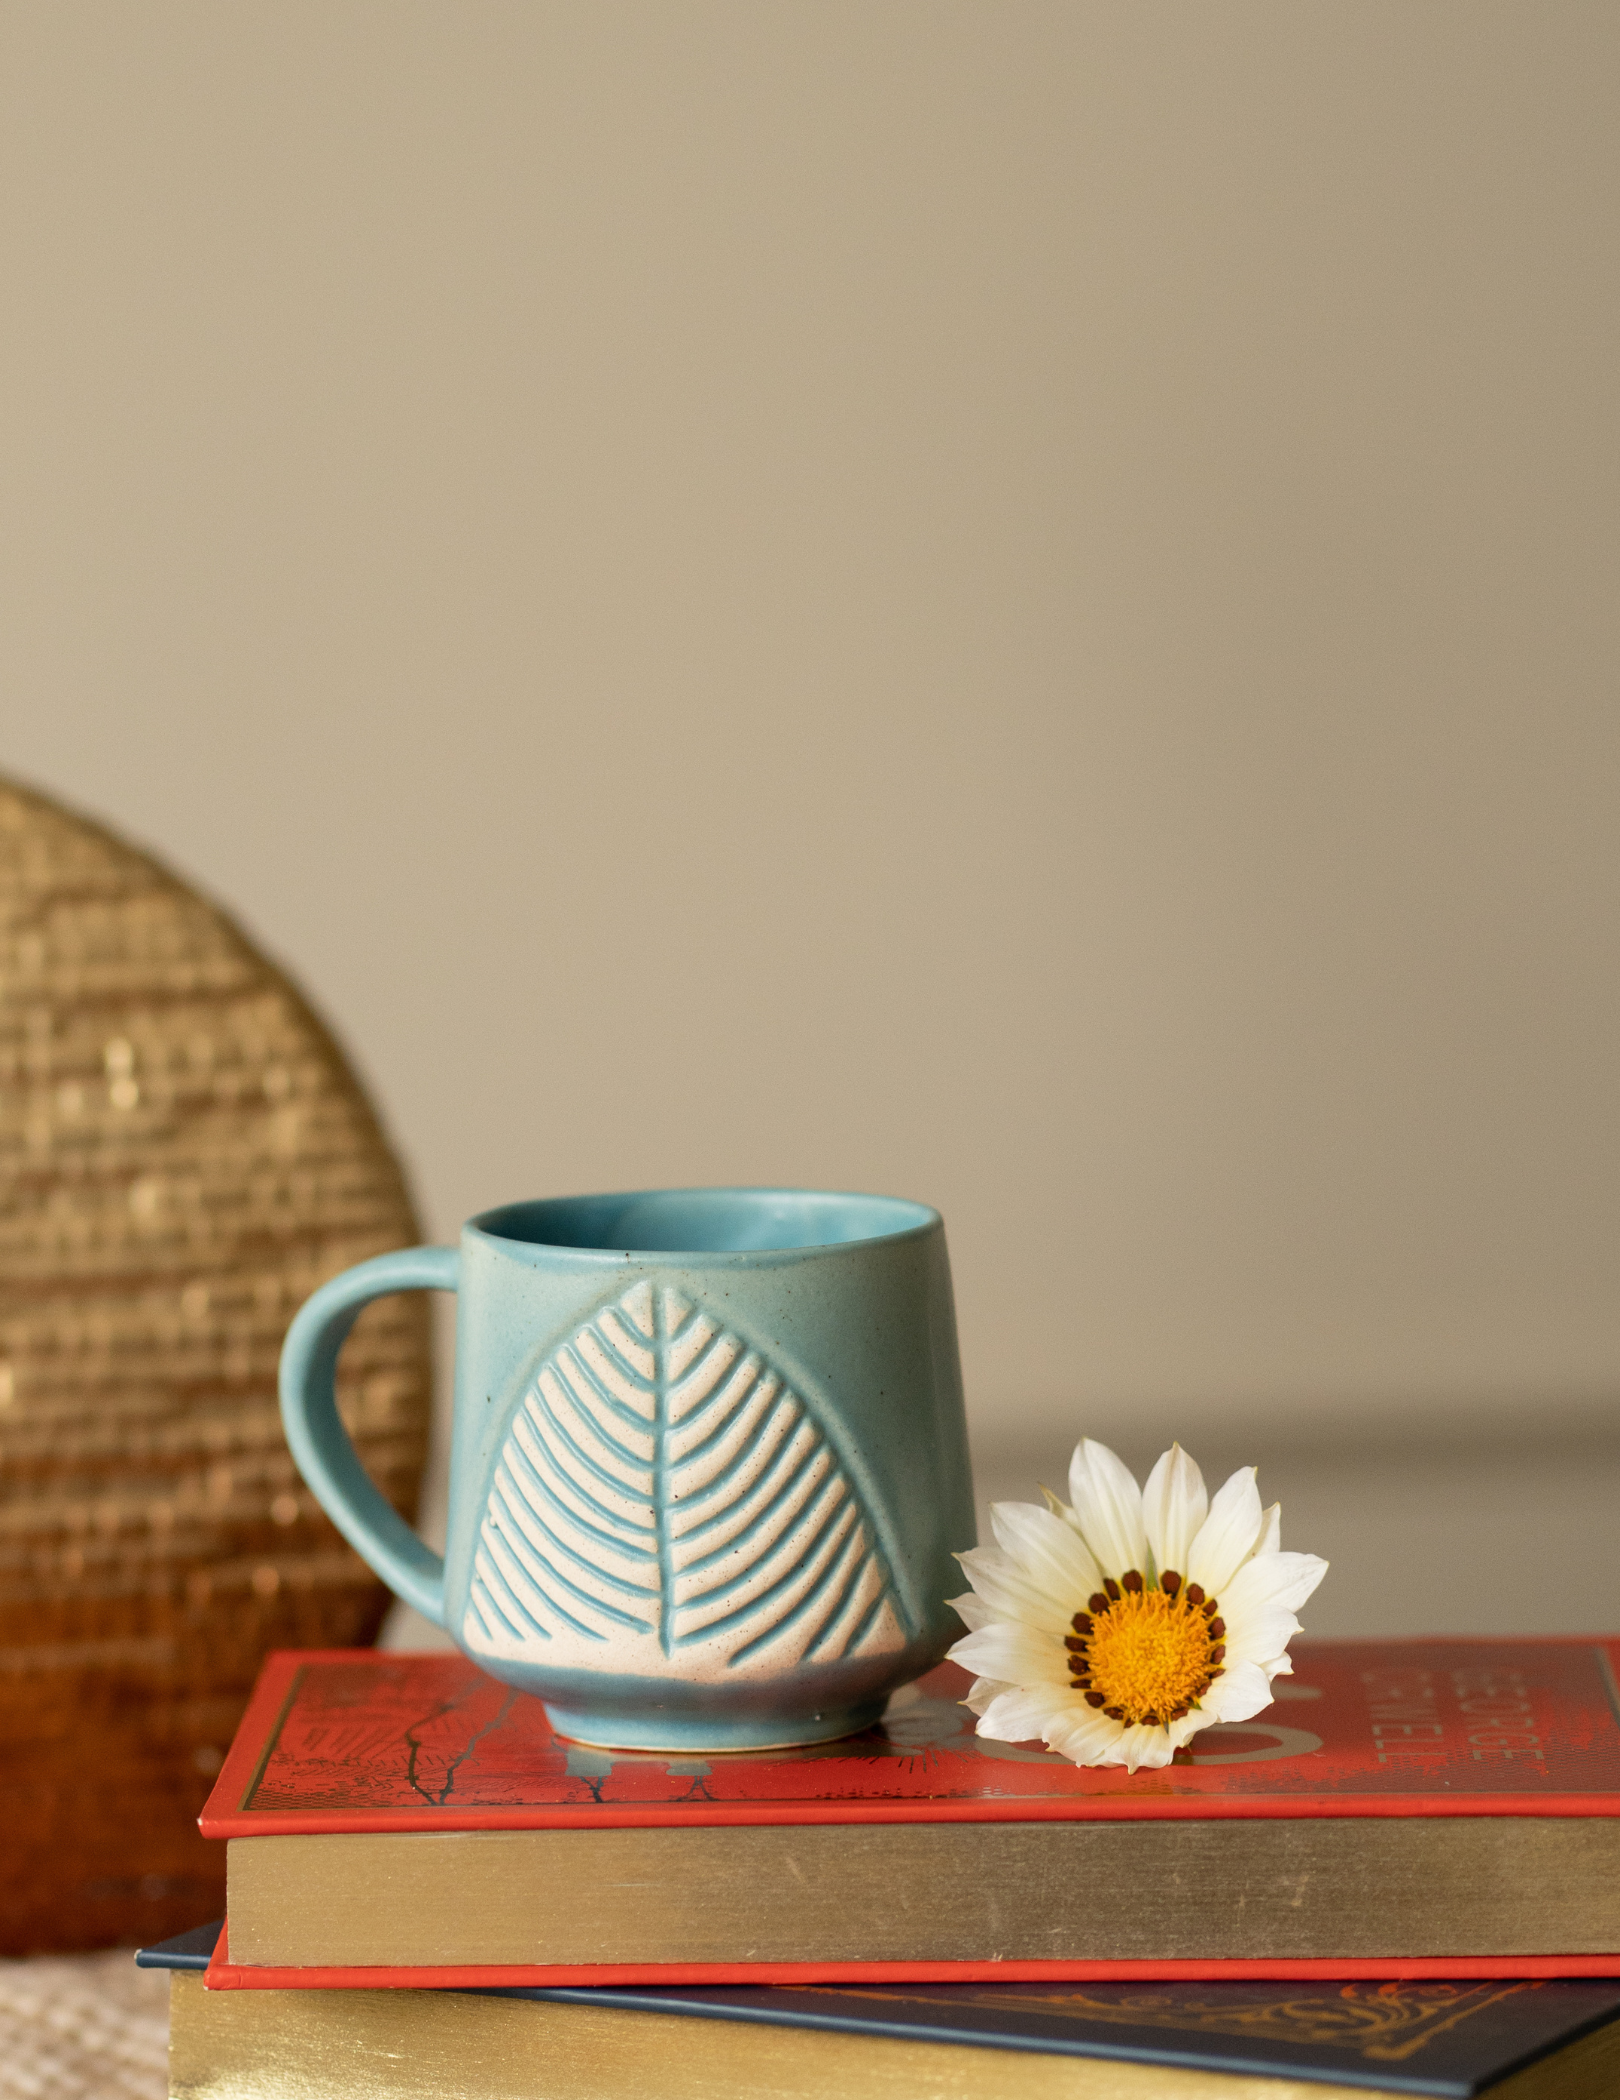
{"x":1307,"y":1888}
{"x":420,"y":2045}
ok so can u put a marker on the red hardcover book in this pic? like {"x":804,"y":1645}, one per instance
{"x":366,"y":1745}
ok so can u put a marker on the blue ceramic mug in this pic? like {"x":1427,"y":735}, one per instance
{"x":708,"y":1466}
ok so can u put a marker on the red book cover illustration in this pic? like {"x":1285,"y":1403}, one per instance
{"x":357,"y":1740}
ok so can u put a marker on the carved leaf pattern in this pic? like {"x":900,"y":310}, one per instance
{"x":663,"y":1493}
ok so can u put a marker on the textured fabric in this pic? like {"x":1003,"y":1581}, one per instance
{"x":83,"y":2027}
{"x":184,"y":1155}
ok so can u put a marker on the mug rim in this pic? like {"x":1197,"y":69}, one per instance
{"x":488,"y":1225}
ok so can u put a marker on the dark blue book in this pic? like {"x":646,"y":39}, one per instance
{"x":1017,"y":2041}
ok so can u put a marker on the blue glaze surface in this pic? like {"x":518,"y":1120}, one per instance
{"x":709,"y":1462}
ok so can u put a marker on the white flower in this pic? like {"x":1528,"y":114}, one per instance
{"x":1116,"y":1629}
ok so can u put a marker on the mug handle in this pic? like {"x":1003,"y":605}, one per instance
{"x":320,"y":1444}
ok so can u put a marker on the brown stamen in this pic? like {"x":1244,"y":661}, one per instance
{"x":1098,"y":1603}
{"x":1081,"y":1622}
{"x":1094,"y":1698}
{"x":1112,"y":1587}
{"x":1194,"y":1594}
{"x":1217,"y":1629}
{"x":1170,"y":1582}
{"x":1132,"y":1579}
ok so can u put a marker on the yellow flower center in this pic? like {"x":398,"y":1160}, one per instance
{"x":1147,"y":1655}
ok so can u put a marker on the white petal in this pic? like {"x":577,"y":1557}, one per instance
{"x":1238,"y":1694}
{"x":1185,"y":1729}
{"x":1088,"y":1739}
{"x":973,"y":1612}
{"x":1228,"y":1535}
{"x":1013,"y":1593}
{"x":1144,"y":1746}
{"x":1274,"y":1581}
{"x":1174,"y":1504}
{"x":1018,"y":1716}
{"x":1270,"y":1531}
{"x":1015,"y":1654}
{"x":1260,"y":1640}
{"x":984,"y":1692}
{"x":1260,"y":1636}
{"x":1108,"y":1505}
{"x":1053,"y":1552}
{"x":1281,"y":1667}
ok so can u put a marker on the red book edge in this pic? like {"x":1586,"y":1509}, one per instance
{"x":256,"y":1737}
{"x":223,"y":1974}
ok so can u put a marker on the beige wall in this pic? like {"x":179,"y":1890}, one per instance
{"x":1014,"y":603}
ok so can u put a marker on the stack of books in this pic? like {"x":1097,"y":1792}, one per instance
{"x":1404,"y":1877}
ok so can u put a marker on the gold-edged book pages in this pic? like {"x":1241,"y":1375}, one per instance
{"x":1314,"y":1888}
{"x":421,"y":2045}
{"x":184,"y":1155}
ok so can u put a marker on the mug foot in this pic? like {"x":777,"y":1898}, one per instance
{"x":692,"y":1735}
